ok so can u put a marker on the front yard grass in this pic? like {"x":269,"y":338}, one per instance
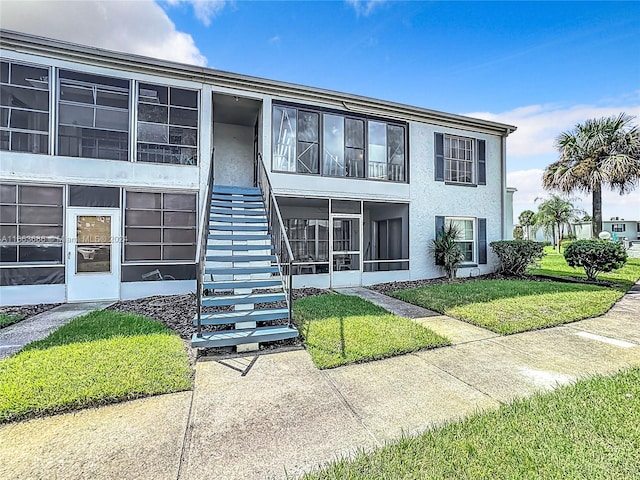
{"x":586,"y":430}
{"x":99,"y":358}
{"x":511,"y":306}
{"x":6,"y":319}
{"x":341,"y":329}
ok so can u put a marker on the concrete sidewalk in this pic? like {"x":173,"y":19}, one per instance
{"x":272,"y":415}
{"x":14,"y":337}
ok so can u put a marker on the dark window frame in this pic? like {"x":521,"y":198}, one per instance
{"x":346,"y":116}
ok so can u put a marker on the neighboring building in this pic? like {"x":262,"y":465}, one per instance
{"x":106,"y":159}
{"x":619,"y":228}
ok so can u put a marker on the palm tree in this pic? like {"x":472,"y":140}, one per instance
{"x":553,"y":214}
{"x":526,"y":219}
{"x":599,"y":152}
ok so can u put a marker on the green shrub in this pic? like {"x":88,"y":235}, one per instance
{"x":516,"y":255}
{"x":446,"y":251}
{"x":518,"y":233}
{"x":595,"y":256}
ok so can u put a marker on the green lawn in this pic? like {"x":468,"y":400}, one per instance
{"x":554,"y":264}
{"x":6,"y":320}
{"x":511,"y":306}
{"x":95,"y":359}
{"x":341,"y":329}
{"x":588,"y":430}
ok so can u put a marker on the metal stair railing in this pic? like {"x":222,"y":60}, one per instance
{"x":204,"y":230}
{"x":283,"y":252}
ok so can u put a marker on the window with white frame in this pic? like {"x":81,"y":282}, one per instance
{"x":618,"y":227}
{"x":24,"y":108}
{"x":466,"y":237}
{"x":93,"y":116}
{"x":459,"y":159}
{"x":160,"y":226}
{"x":167,"y":125}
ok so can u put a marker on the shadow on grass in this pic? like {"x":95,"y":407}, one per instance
{"x":99,"y":325}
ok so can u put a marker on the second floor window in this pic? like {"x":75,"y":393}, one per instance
{"x":167,"y":125}
{"x":93,"y":117}
{"x":458,"y":159}
{"x":24,"y":108}
{"x":336,"y":145}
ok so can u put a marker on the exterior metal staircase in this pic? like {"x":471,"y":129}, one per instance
{"x":241,"y":269}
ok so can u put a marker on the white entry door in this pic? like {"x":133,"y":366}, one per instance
{"x":93,"y":254}
{"x":346,"y":245}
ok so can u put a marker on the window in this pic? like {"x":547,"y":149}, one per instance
{"x":297,"y":144}
{"x":309,"y":239}
{"x":160,"y":226}
{"x":466,"y":239}
{"x":24,"y":108}
{"x":460,"y":160}
{"x":93,"y":117}
{"x":167,"y":125}
{"x":31,"y":224}
{"x":618,"y":227}
{"x":472,"y":239}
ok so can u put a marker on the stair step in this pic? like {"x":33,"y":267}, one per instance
{"x":228,"y":338}
{"x":241,"y":270}
{"x":253,"y":205}
{"x":237,"y":199}
{"x":266,"y":315}
{"x":235,"y":220}
{"x":240,"y":299}
{"x":233,"y":284}
{"x":238,"y":211}
{"x":236,"y":248}
{"x":239,"y":237}
{"x":232,"y":189}
{"x":241,"y":258}
{"x":239,"y":228}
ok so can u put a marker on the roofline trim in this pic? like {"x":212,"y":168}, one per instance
{"x":36,"y":45}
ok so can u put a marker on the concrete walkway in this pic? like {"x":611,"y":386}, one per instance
{"x":16,"y":336}
{"x":268,"y":416}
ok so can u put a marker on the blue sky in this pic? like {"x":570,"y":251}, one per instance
{"x":542,"y":66}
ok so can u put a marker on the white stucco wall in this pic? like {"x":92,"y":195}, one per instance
{"x":233,"y":154}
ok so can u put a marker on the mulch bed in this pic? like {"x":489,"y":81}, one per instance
{"x":177,"y":313}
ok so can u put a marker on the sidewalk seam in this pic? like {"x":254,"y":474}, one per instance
{"x":186,"y":439}
{"x":474,"y":387}
{"x":349,"y":407}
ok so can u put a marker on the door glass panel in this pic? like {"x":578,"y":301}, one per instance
{"x":93,"y":249}
{"x":346,"y":262}
{"x":346,"y":234}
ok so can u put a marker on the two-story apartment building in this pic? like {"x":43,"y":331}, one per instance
{"x":105,"y":173}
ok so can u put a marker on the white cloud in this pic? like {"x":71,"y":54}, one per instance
{"x":133,"y":26}
{"x":539,"y":125}
{"x":204,"y":10}
{"x":275,"y":39}
{"x":365,"y":7}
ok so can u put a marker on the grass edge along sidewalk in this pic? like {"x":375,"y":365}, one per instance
{"x":99,"y":358}
{"x":342,"y":329}
{"x":586,"y":430}
{"x":516,"y":305}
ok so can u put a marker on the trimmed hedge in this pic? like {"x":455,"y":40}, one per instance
{"x":595,"y":256}
{"x":516,"y":255}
